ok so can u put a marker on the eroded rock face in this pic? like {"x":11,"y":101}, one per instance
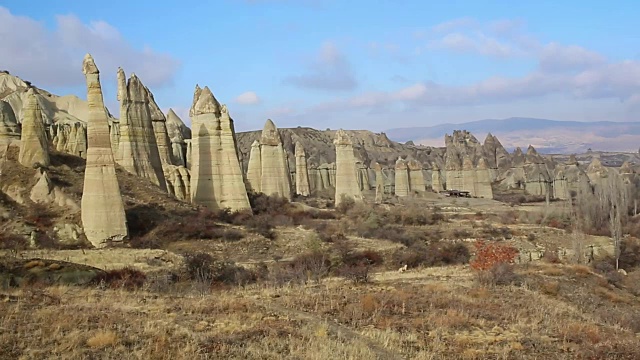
{"x":178,"y":182}
{"x":216,"y":176}
{"x":102,"y":208}
{"x":33,"y":145}
{"x":274,"y":177}
{"x":379,"y":183}
{"x":45,"y":192}
{"x":568,"y":179}
{"x":436,"y":179}
{"x":138,"y":149}
{"x":403,"y":188}
{"x":302,"y":173}
{"x":9,"y":127}
{"x":346,"y":176}
{"x":159,"y":123}
{"x":497,"y":157}
{"x":254,"y":171}
{"x":538,"y":181}
{"x":627,"y":173}
{"x":70,"y":138}
{"x":416,"y":176}
{"x":598,"y":174}
{"x":483,"y":182}
{"x":178,"y":134}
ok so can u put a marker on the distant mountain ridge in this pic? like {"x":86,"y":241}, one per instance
{"x":548,"y":136}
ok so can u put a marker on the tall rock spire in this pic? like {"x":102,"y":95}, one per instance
{"x":275,"y":178}
{"x":216,"y":176}
{"x":138,"y":149}
{"x":254,"y":169}
{"x":103,"y":216}
{"x":346,"y":172}
{"x":302,"y":172}
{"x":34,"y":145}
{"x":403,"y":188}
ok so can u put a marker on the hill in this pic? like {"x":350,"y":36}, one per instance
{"x":547,"y":136}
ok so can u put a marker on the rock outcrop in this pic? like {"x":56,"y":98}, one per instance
{"x":254,"y":170}
{"x":137,"y":149}
{"x":103,"y":216}
{"x":33,"y":144}
{"x":538,"y":181}
{"x":70,"y":138}
{"x":403,"y":188}
{"x":483,"y":188}
{"x":302,"y":172}
{"x":9,"y":127}
{"x":216,"y":175}
{"x":416,"y":176}
{"x":627,"y":174}
{"x":597,"y":172}
{"x":45,"y":192}
{"x":363,"y":176}
{"x":178,"y":134}
{"x":436,"y":179}
{"x":497,"y":157}
{"x":568,"y":179}
{"x":178,"y":181}
{"x":379,"y":183}
{"x":346,"y":176}
{"x":159,"y":123}
{"x":274,"y":176}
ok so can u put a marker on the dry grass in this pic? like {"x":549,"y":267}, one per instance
{"x":420,"y":314}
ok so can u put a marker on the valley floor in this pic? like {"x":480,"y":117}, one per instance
{"x":552,"y":312}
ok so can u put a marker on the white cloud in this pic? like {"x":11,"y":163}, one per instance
{"x":330,"y":71}
{"x":248,"y":98}
{"x":555,"y":57}
{"x":54,"y":58}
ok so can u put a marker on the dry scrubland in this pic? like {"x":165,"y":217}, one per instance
{"x":304,"y":280}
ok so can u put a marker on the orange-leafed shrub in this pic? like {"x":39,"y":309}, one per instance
{"x":489,"y":254}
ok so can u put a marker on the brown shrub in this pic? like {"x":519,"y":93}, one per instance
{"x":262,"y":225}
{"x":12,"y":242}
{"x":434,"y":254}
{"x":551,"y":288}
{"x":205,"y":269}
{"x":327,"y":232}
{"x":499,"y":274}
{"x":40,"y":216}
{"x":551,"y":256}
{"x":304,"y":268}
{"x":125,"y":278}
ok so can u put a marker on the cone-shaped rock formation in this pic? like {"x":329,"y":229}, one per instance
{"x":34,"y":145}
{"x":137,"y":149}
{"x":274,"y":178}
{"x":103,"y":216}
{"x":216,"y":176}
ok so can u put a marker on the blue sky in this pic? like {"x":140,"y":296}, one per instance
{"x":353,"y":64}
